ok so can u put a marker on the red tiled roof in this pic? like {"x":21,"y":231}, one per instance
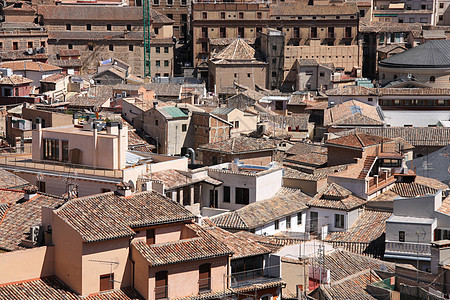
{"x":19,"y":215}
{"x":240,"y":144}
{"x":352,"y":112}
{"x":412,"y":189}
{"x":109,"y":216}
{"x":263,"y":212}
{"x":358,"y":140}
{"x":336,"y":197}
{"x":54,"y":78}
{"x":242,"y":246}
{"x":29,"y":66}
{"x":353,"y":287}
{"x":369,"y":226}
{"x":201,"y":247}
{"x":14,"y":80}
{"x":53,"y":288}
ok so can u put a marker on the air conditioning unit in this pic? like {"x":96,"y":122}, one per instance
{"x":34,"y":233}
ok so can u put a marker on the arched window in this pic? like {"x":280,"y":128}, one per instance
{"x":432,"y":79}
{"x":204,"y":278}
{"x":161,"y":290}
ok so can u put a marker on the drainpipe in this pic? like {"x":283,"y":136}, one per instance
{"x":95,"y":137}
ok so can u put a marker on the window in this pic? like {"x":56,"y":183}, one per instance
{"x":288,"y":222}
{"x":247,"y":268}
{"x":186,"y":195}
{"x":65,"y":150}
{"x":42,"y":44}
{"x":338,"y":221}
{"x":205,"y":15}
{"x":111,"y":47}
{"x":69,"y":27}
{"x":1,"y":45}
{"x":156,"y":122}
{"x":15,"y":46}
{"x":204,"y":32}
{"x":236,"y":124}
{"x":157,"y":74}
{"x":441,"y":17}
{"x":223,"y":32}
{"x":348,"y":32}
{"x":235,"y":75}
{"x":370,"y":99}
{"x":106,"y":282}
{"x":155,"y":2}
{"x":274,"y":74}
{"x":70,"y":46}
{"x":242,"y":196}
{"x":41,"y":186}
{"x":322,"y":74}
{"x":362,"y":13}
{"x":401,"y":236}
{"x":241,"y":32}
{"x":183,"y":2}
{"x":299,"y":218}
{"x":258,"y":15}
{"x":157,"y":49}
{"x":226,"y":194}
{"x":166,"y":74}
{"x":156,"y":30}
{"x":88,"y":27}
{"x":108,"y":27}
{"x":129,"y":27}
{"x":432,"y":79}
{"x":313,"y":32}
{"x":30,"y":44}
{"x":90,"y":47}
{"x":161,"y":285}
{"x":277,"y":224}
{"x":158,"y":63}
{"x":169,"y":2}
{"x":241,"y":15}
{"x":51,"y":149}
{"x":183,"y":127}
{"x":130,"y":48}
{"x":331,"y":32}
{"x":103,"y":190}
{"x":166,"y":63}
{"x":150,"y":236}
{"x":204,"y":47}
{"x":204,"y":278}
{"x":166,"y":49}
{"x":222,"y":15}
{"x":441,"y":5}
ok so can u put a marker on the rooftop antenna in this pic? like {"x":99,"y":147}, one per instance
{"x":114,"y":262}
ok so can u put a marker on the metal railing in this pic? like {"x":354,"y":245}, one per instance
{"x":20,"y":157}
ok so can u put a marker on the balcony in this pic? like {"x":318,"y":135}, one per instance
{"x":19,"y":159}
{"x":411,"y":250}
{"x":331,"y":35}
{"x":253,"y":277}
{"x":378,"y":182}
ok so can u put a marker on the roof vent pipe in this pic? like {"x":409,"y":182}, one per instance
{"x":192,"y":155}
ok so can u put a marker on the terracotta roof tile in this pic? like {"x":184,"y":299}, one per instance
{"x":237,"y":50}
{"x":9,"y":180}
{"x":369,"y":226}
{"x":336,"y":197}
{"x":317,"y":174}
{"x":263,"y":212}
{"x":29,"y":66}
{"x":175,"y":179}
{"x":353,"y":287}
{"x":412,"y":189}
{"x":109,"y":216}
{"x":241,"y":245}
{"x":240,"y":144}
{"x":14,"y":80}
{"x":19,"y":215}
{"x":85,"y":12}
{"x":352,"y":112}
{"x":53,"y":288}
{"x":54,"y":78}
{"x":201,"y":247}
{"x":358,"y":140}
{"x":416,"y":136}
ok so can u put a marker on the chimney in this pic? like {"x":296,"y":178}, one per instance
{"x":155,"y":104}
{"x":30,"y":192}
{"x":124,"y":189}
{"x":112,"y":128}
{"x":75,"y":119}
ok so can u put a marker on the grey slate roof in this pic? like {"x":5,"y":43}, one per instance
{"x":432,"y":54}
{"x":222,"y":110}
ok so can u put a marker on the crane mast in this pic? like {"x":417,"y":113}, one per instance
{"x":147,"y":32}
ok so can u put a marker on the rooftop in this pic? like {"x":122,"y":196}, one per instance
{"x":358,"y":141}
{"x":302,"y":7}
{"x":238,"y":145}
{"x":336,"y":197}
{"x":54,"y":78}
{"x":53,"y":288}
{"x":432,"y":54}
{"x":17,"y":215}
{"x":263,"y":212}
{"x":14,"y":80}
{"x":85,"y":12}
{"x":29,"y":66}
{"x":203,"y":246}
{"x":109,"y":216}
{"x":354,"y":113}
{"x":173,"y":179}
{"x":238,"y":50}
